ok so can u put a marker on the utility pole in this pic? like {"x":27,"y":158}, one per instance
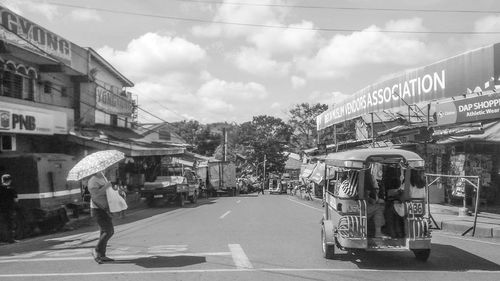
{"x":264,"y":170}
{"x":224,"y":145}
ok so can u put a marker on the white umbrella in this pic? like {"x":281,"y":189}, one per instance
{"x":94,"y":163}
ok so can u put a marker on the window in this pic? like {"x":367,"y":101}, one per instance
{"x":7,"y":142}
{"x":18,"y":83}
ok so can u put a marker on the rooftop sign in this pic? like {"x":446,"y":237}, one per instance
{"x":27,"y":34}
{"x":444,"y":79}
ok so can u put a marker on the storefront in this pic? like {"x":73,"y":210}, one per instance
{"x":451,"y":117}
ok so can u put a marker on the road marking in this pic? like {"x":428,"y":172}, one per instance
{"x":238,"y":202}
{"x":464,"y":238}
{"x":240,"y":259}
{"x":225,"y":214}
{"x":117,"y":257}
{"x":314,"y":208}
{"x":143,"y":272}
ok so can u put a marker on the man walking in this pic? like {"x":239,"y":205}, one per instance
{"x":8,"y":200}
{"x":97,"y":186}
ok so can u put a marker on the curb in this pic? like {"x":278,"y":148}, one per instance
{"x":459,"y":227}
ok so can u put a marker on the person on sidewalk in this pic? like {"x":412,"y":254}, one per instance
{"x":97,"y":185}
{"x":8,"y":201}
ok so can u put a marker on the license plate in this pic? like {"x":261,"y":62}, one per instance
{"x":416,"y":208}
{"x":158,"y":196}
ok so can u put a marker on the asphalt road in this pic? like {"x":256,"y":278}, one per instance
{"x":270,"y":237}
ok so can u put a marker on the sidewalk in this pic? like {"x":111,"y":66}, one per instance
{"x":447,"y":220}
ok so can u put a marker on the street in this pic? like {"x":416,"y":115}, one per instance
{"x":248,"y":237}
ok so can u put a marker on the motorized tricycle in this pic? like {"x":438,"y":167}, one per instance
{"x":375,"y":200}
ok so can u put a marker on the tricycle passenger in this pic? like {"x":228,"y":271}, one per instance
{"x":375,"y":205}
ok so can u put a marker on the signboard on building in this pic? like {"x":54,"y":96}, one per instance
{"x":22,"y":32}
{"x":112,"y":103}
{"x":469,"y":72}
{"x":21,"y":119}
{"x":468,"y":110}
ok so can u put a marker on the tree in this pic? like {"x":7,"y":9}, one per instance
{"x":303,"y":122}
{"x":206,"y":142}
{"x":188,"y":130}
{"x":268,"y":136}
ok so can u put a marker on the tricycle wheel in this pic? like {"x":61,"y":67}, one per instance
{"x":422,"y":254}
{"x":328,"y":250}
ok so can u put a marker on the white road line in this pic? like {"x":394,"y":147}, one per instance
{"x":295,"y":201}
{"x":240,"y":259}
{"x":464,"y":238}
{"x":238,"y":202}
{"x":117,"y":258}
{"x":143,"y":272}
{"x":225,"y":214}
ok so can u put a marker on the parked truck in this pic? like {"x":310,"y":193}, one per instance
{"x":175,"y":183}
{"x":221,"y":178}
{"x":43,"y":192}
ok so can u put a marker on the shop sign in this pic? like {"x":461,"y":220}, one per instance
{"x":112,"y":103}
{"x":24,"y":33}
{"x":469,"y":110}
{"x":29,"y":120}
{"x":471,"y":71}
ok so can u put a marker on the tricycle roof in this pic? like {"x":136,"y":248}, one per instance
{"x":351,"y":158}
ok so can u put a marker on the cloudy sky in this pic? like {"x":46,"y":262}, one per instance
{"x":229,"y":60}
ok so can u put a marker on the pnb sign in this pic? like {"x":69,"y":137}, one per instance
{"x":19,"y":121}
{"x":448,"y":78}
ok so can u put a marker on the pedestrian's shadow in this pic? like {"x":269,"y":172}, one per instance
{"x":443,"y":257}
{"x":162,"y":261}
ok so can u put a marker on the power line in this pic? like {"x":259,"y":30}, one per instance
{"x":341,"y":8}
{"x":271,"y":26}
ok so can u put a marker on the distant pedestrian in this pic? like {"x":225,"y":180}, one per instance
{"x":8,"y":201}
{"x":261,"y":188}
{"x":97,"y":185}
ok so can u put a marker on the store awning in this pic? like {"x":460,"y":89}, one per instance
{"x":489,"y":133}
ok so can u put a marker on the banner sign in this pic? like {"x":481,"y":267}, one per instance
{"x":469,"y":110}
{"x":23,"y":119}
{"x":470,"y":72}
{"x":24,"y":32}
{"x":112,"y":103}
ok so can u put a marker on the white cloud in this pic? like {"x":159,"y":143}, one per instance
{"x":259,"y":63}
{"x":290,"y":40}
{"x":297,"y":82}
{"x":46,"y":9}
{"x":214,"y":100}
{"x":85,"y":15}
{"x":153,"y":55}
{"x":275,"y":105}
{"x":236,"y":91}
{"x":344,"y":52}
{"x":257,"y":15}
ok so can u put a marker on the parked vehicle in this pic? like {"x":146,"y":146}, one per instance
{"x":43,"y":192}
{"x":364,"y":181}
{"x":177,"y":184}
{"x":276,"y":185}
{"x":221,"y":178}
